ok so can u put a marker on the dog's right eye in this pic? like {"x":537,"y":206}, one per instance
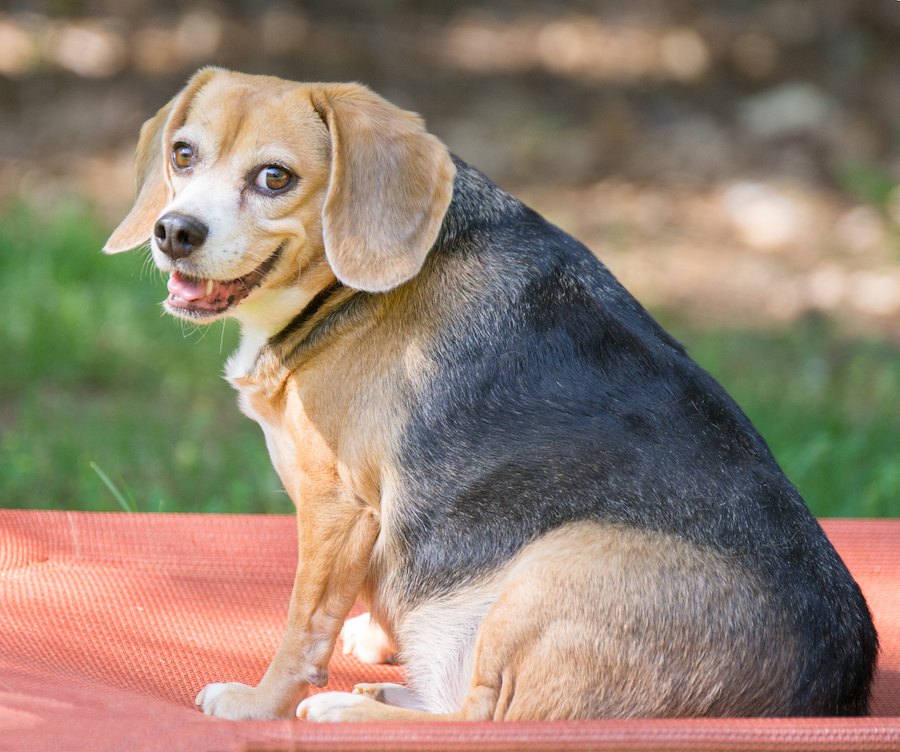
{"x":182,"y":156}
{"x":274,"y":179}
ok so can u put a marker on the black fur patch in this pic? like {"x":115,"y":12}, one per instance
{"x":558,"y":398}
{"x":306,"y":315}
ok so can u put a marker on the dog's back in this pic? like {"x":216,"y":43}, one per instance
{"x":556,"y":399}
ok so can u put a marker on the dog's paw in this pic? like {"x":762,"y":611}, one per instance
{"x":236,"y":702}
{"x":331,"y":707}
{"x":366,"y":641}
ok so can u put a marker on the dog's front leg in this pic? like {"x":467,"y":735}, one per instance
{"x":335,"y":538}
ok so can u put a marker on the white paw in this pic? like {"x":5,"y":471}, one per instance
{"x":328,"y":707}
{"x":236,"y":702}
{"x":221,"y":699}
{"x":366,"y":640}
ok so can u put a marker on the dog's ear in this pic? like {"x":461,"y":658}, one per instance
{"x":151,"y":188}
{"x":389,"y":188}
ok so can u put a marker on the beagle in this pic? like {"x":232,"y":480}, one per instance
{"x":551,"y":511}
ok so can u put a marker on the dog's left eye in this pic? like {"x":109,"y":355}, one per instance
{"x":274,"y":178}
{"x":182,"y":155}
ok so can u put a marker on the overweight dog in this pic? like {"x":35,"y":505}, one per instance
{"x":551,"y":511}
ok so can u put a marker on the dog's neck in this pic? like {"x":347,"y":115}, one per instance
{"x":268,"y":311}
{"x":261,"y":319}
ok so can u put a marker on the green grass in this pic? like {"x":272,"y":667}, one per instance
{"x":106,"y":404}
{"x":96,"y":378}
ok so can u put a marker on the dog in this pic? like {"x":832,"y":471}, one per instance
{"x":551,"y":511}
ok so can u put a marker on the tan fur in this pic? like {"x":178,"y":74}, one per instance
{"x":330,"y":466}
{"x":376,"y":185}
{"x":150,"y":171}
{"x":584,"y":627}
{"x":530,"y":641}
{"x":589,"y":601}
{"x":380,"y":222}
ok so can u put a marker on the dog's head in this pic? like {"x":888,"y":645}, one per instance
{"x":247,"y":185}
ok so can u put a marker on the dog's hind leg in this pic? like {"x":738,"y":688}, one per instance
{"x":596,"y":621}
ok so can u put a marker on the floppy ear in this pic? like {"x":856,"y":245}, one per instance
{"x":389,"y":188}
{"x":151,"y":188}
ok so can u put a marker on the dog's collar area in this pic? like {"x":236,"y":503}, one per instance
{"x":314,"y":305}
{"x":195,"y":297}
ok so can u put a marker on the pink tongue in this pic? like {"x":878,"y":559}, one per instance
{"x":187,"y":289}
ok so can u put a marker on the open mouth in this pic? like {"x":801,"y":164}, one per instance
{"x":195,"y":297}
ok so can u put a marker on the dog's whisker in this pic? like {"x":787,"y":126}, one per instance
{"x":202,"y":333}
{"x":148,"y":268}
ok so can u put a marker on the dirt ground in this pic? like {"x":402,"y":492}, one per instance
{"x":736,"y":161}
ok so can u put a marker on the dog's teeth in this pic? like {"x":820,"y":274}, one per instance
{"x":209,"y":286}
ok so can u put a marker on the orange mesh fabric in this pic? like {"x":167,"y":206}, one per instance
{"x":111,"y":623}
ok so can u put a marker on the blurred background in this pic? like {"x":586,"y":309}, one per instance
{"x":735,"y":162}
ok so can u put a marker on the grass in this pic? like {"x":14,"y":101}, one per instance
{"x":103,"y":400}
{"x":106,"y":404}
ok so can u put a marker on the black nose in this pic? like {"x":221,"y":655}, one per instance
{"x":179,"y":235}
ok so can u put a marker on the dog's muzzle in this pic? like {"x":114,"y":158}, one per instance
{"x":198,"y":298}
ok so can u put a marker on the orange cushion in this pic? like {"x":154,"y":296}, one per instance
{"x":111,"y":623}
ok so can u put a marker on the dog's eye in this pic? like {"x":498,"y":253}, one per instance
{"x":274,"y":178}
{"x":182,"y":156}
